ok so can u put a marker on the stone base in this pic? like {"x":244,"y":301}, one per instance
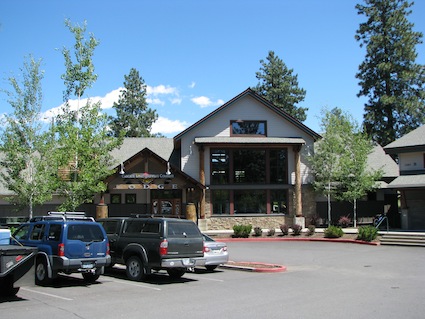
{"x":299,"y":221}
{"x":202,"y":224}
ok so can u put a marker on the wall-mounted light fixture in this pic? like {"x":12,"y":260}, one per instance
{"x":122,"y":172}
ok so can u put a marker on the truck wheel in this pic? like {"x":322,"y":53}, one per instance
{"x":91,"y":277}
{"x":41,"y":275}
{"x":135,"y":270}
{"x":211,"y":267}
{"x":176,"y":273}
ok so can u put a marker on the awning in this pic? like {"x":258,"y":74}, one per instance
{"x":408,"y":181}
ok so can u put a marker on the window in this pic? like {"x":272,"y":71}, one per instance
{"x":37,"y":232}
{"x":221,"y":202}
{"x":249,"y":166}
{"x":219,"y":166}
{"x":130,"y":198}
{"x":55,"y":232}
{"x":278,"y":166}
{"x":115,"y":198}
{"x":248,"y":127}
{"x":250,"y":201}
{"x":22,"y":233}
{"x":133,"y":226}
{"x":278,"y":199}
{"x":85,"y":232}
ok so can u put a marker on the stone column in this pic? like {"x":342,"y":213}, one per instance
{"x":298,"y":195}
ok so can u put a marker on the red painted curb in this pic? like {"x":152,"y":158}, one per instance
{"x":275,"y":267}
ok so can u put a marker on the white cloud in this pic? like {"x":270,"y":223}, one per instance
{"x":204,"y":101}
{"x":176,"y":100}
{"x":155,"y":101}
{"x":161,"y":89}
{"x":192,"y":85}
{"x":167,"y":126}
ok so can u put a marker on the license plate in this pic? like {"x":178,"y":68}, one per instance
{"x":87,"y":265}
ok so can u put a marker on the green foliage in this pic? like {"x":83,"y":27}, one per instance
{"x":258,"y":231}
{"x":242,"y":231}
{"x":278,"y":85}
{"x":333,"y":232}
{"x":339,"y":162}
{"x":311,"y":230}
{"x":367,"y":233}
{"x":296,"y":229}
{"x":26,"y":148}
{"x":284,"y":229}
{"x":133,"y":117}
{"x":389,"y":76}
{"x":81,"y":136}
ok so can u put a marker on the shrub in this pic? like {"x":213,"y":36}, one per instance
{"x":284,"y":229}
{"x":314,"y":220}
{"x":296,"y":229}
{"x":258,"y":231}
{"x":333,"y":232}
{"x":311,"y":230}
{"x":344,"y":221}
{"x":271,"y":231}
{"x":367,"y":233}
{"x":242,"y":230}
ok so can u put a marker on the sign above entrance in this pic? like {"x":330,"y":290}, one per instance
{"x":146,"y":186}
{"x":148,"y":176}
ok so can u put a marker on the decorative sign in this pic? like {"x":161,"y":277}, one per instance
{"x":148,"y":176}
{"x":146,"y":186}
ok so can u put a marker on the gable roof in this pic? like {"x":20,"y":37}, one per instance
{"x":266,"y":103}
{"x":377,"y":159}
{"x":412,"y":141}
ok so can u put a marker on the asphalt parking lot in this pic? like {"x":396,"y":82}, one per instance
{"x":323,"y":280}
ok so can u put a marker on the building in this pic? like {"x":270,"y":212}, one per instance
{"x":410,"y":151}
{"x":245,"y":162}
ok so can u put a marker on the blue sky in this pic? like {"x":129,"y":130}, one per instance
{"x":194,"y":55}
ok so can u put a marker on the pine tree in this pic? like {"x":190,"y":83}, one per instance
{"x":389,"y":76}
{"x":132,"y":113}
{"x":278,"y":85}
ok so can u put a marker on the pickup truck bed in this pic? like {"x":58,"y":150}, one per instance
{"x":16,"y":263}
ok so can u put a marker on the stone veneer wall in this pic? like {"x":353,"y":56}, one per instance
{"x":264,"y":221}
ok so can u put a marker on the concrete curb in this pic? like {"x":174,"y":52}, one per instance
{"x":332,"y":240}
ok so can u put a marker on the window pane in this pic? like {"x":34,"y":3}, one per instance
{"x":221,"y":202}
{"x":248,"y":128}
{"x":279,"y":201}
{"x":219,"y":166}
{"x":250,"y":201}
{"x":249,"y":166}
{"x":278,"y":166}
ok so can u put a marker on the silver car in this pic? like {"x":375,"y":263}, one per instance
{"x":215,"y":253}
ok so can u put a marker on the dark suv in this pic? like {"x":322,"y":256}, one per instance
{"x":67,"y":243}
{"x":146,"y":244}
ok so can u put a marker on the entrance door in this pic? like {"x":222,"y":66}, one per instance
{"x":166,"y":202}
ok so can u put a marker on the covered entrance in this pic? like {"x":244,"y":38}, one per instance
{"x":166,"y":203}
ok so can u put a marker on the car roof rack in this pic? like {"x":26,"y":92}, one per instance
{"x":63,"y":216}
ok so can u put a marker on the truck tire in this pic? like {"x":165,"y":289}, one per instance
{"x":176,"y":273}
{"x":134,"y":268}
{"x":92,"y":277}
{"x":41,"y":274}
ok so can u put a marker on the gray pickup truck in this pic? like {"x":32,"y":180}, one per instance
{"x":146,"y":244}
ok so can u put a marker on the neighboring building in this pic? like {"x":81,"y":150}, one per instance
{"x":245,"y":162}
{"x":410,"y":151}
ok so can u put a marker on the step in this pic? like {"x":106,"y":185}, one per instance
{"x":404,"y":237}
{"x":403,"y":243}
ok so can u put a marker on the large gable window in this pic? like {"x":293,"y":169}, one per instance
{"x":240,"y":127}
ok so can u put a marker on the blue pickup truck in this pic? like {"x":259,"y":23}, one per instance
{"x":67,"y":243}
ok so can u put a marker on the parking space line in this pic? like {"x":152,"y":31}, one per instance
{"x":46,"y":294}
{"x":136,"y":285}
